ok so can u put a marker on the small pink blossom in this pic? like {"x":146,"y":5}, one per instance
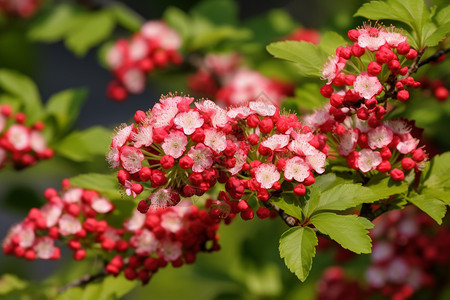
{"x":73,"y":195}
{"x":171,"y":221}
{"x":161,"y":198}
{"x":115,"y":57}
{"x":135,"y":222}
{"x":138,"y":48}
{"x":113,"y":157}
{"x":171,"y":250}
{"x":143,"y":137}
{"x":215,"y":139}
{"x":241,"y":158}
{"x":175,"y":144}
{"x":122,"y":134}
{"x":367,"y":86}
{"x":37,"y":141}
{"x":51,"y":214}
{"x":145,"y":242}
{"x":134,"y":81}
{"x":398,"y":126}
{"x":371,"y":42}
{"x":379,"y":137}
{"x":263,"y":108}
{"x":239,"y":112}
{"x":392,"y":37}
{"x":407,"y":143}
{"x":317,"y":161}
{"x":131,"y":159}
{"x":331,"y":68}
{"x":202,"y":156}
{"x":347,"y":142}
{"x":276,"y":141}
{"x":101,"y":205}
{"x":267,"y":175}
{"x":69,"y":225}
{"x":44,"y":248}
{"x":18,"y":136}
{"x":368,"y":160}
{"x":188,"y":121}
{"x":296,"y":168}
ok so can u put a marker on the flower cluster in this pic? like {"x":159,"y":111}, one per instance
{"x":20,"y":144}
{"x":139,"y":247}
{"x":363,"y":76}
{"x":19,"y":8}
{"x":384,"y":146}
{"x":174,"y":150}
{"x":222,"y":77}
{"x":155,"y":46}
{"x":408,"y":249}
{"x":333,"y":285}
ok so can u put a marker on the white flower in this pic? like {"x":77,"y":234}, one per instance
{"x":143,"y":137}
{"x":296,"y":168}
{"x":216,"y":140}
{"x":101,"y":205}
{"x":276,"y":141}
{"x":188,"y":121}
{"x":122,"y":134}
{"x":171,"y":250}
{"x":317,"y":161}
{"x":398,"y":126}
{"x":373,"y":43}
{"x":240,"y":112}
{"x":44,"y":248}
{"x":135,"y":222}
{"x":37,"y":141}
{"x":175,"y":144}
{"x":263,"y":108}
{"x":241,"y":158}
{"x":368,"y":160}
{"x":138,"y":48}
{"x":145,"y":242}
{"x":131,"y":159}
{"x":162,"y":198}
{"x":73,"y":195}
{"x":51,"y":214}
{"x":113,"y":157}
{"x":347,"y":142}
{"x":407,"y":143}
{"x":330,"y":69}
{"x":392,"y":37}
{"x":134,"y":81}
{"x":171,"y":221}
{"x":18,"y":136}
{"x":267,"y":175}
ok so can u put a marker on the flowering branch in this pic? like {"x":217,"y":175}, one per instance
{"x":86,"y":279}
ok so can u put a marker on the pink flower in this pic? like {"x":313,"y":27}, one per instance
{"x":135,"y":222}
{"x":175,"y":144}
{"x":301,"y":146}
{"x":171,"y":221}
{"x":263,"y":108}
{"x":276,"y":141}
{"x":202,"y":156}
{"x":171,"y":250}
{"x":296,"y":168}
{"x":69,"y":225}
{"x":143,"y":137}
{"x":398,"y":126}
{"x":239,"y":112}
{"x":131,"y":159}
{"x":371,"y":42}
{"x":267,"y":175}
{"x":101,"y":205}
{"x":113,"y":157}
{"x":241,"y":158}
{"x":18,"y":136}
{"x":51,"y":214}
{"x":145,"y":242}
{"x":163,"y":114}
{"x":368,"y":160}
{"x":138,"y":48}
{"x":166,"y":37}
{"x":379,"y":137}
{"x":347,"y":142}
{"x":37,"y":141}
{"x":122,"y":134}
{"x":317,"y":161}
{"x":134,"y":81}
{"x":392,"y":37}
{"x":44,"y":247}
{"x":161,"y":198}
{"x":331,"y":68}
{"x":407,"y":143}
{"x":215,"y":139}
{"x":217,"y":114}
{"x":367,"y":86}
{"x":73,"y":195}
{"x":188,"y":121}
{"x":115,"y":57}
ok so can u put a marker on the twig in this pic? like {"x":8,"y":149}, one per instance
{"x":288,"y":219}
{"x":433,"y":57}
{"x":415,"y":65}
{"x":86,"y":279}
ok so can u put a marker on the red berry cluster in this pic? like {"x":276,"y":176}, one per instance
{"x":409,"y":250}
{"x":363,"y":76}
{"x":333,"y":285}
{"x":384,"y":146}
{"x":155,"y":46}
{"x":175,"y":150}
{"x":142,"y":245}
{"x":20,"y":144}
{"x":224,"y":78}
{"x":435,"y":87}
{"x":19,"y":8}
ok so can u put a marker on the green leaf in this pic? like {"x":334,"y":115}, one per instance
{"x":84,"y":145}
{"x":213,"y":36}
{"x":23,"y":88}
{"x":271,"y":26}
{"x":433,"y":35}
{"x":330,"y":41}
{"x":329,"y":180}
{"x":308,"y":98}
{"x":308,"y":57}
{"x":437,"y":174}
{"x":310,"y":200}
{"x":343,"y":196}
{"x":178,"y":20}
{"x":219,"y":12}
{"x":54,"y":24}
{"x":126,"y":17}
{"x":443,"y":15}
{"x":110,"y":288}
{"x":297,"y":248}
{"x":290,"y":204}
{"x":431,"y":206}
{"x":9,"y":283}
{"x":347,"y":230}
{"x":65,"y":107}
{"x":91,"y":30}
{"x":442,"y":194}
{"x":104,"y":184}
{"x":383,"y":187}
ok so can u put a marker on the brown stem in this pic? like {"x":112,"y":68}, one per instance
{"x":86,"y":279}
{"x":433,"y":57}
{"x":415,"y":64}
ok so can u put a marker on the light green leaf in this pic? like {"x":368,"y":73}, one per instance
{"x":271,"y":26}
{"x":110,"y":288}
{"x":310,"y":200}
{"x":308,"y":98}
{"x":330,"y":41}
{"x":347,"y":230}
{"x":443,"y":15}
{"x":431,"y":206}
{"x":297,"y":248}
{"x":344,"y":196}
{"x":9,"y":283}
{"x":219,"y":12}
{"x":178,"y":20}
{"x":213,"y":36}
{"x":437,"y":174}
{"x":84,"y":145}
{"x":103,"y":183}
{"x":383,"y":187}
{"x":433,"y":35}
{"x":308,"y":57}
{"x":290,"y":204}
{"x":126,"y":17}
{"x":65,"y":107}
{"x":54,"y":24}
{"x":23,"y":88}
{"x":91,"y":30}
{"x":442,"y":194}
{"x":329,"y":180}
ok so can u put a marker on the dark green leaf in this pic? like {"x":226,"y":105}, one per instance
{"x":431,"y":206}
{"x":433,"y":35}
{"x":443,"y":15}
{"x":383,"y":187}
{"x":347,"y":230}
{"x":23,"y":88}
{"x":91,"y":30}
{"x":65,"y":107}
{"x":271,"y":26}
{"x":298,"y":247}
{"x":308,"y":57}
{"x":219,"y":12}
